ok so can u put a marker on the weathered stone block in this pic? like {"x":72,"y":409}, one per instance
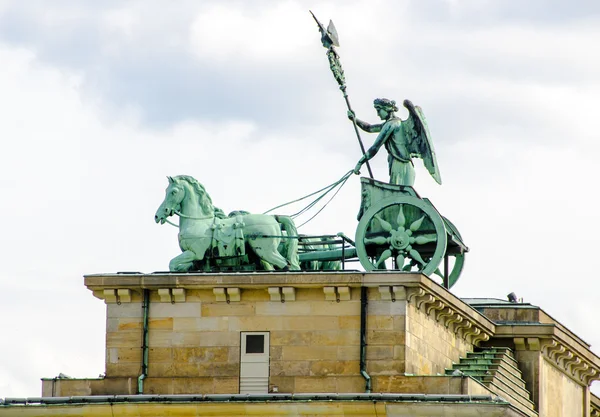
{"x":380,"y":322}
{"x":157,"y":354}
{"x":124,"y":310}
{"x":385,"y":367}
{"x":256,"y":323}
{"x":315,"y":384}
{"x":348,"y":352}
{"x":384,"y":337}
{"x":329,"y":368}
{"x":200,"y":354}
{"x":193,"y":385}
{"x":226,"y":385}
{"x":290,"y":338}
{"x":380,"y":352}
{"x":284,"y":384}
{"x":290,"y":368}
{"x":349,"y":322}
{"x":310,"y":323}
{"x":160,"y":324}
{"x":168,"y":310}
{"x":291,"y":353}
{"x":347,"y":308}
{"x":224,"y":310}
{"x":282,"y":309}
{"x":123,"y":339}
{"x":335,"y":338}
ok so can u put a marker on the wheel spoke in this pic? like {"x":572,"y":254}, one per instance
{"x":384,"y":224}
{"x":385,"y":255}
{"x":423,"y":239}
{"x":416,"y":256}
{"x":416,"y":224}
{"x":378,"y":240}
{"x":401,"y":219}
{"x":400,"y":261}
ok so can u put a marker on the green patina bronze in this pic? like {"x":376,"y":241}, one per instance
{"x":403,"y":140}
{"x":208,"y":240}
{"x":397,"y":229}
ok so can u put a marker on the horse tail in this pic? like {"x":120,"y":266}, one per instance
{"x":292,"y":252}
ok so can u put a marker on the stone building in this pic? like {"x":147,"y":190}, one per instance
{"x":320,"y":344}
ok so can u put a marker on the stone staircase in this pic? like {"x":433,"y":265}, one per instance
{"x":496,"y":368}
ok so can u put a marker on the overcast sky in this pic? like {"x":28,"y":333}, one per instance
{"x":100,"y":101}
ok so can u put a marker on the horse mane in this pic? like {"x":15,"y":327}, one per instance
{"x":205,"y":202}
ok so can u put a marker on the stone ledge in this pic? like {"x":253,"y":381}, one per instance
{"x":426,"y":294}
{"x":558,"y":347}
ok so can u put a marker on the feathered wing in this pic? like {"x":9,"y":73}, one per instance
{"x":419,"y":139}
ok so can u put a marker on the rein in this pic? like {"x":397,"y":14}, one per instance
{"x":185,"y":216}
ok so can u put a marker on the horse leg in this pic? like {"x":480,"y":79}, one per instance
{"x":183,"y":262}
{"x":266,"y":249}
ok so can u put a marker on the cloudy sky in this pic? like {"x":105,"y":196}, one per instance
{"x":100,"y":101}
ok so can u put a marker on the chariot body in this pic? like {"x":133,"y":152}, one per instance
{"x":397,"y":230}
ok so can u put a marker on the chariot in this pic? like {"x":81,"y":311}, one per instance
{"x":397,"y":230}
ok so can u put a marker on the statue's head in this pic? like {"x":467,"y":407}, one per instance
{"x":385,"y":107}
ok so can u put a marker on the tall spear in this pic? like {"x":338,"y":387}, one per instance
{"x":329,"y":39}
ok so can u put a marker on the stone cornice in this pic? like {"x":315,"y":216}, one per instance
{"x":417,"y":289}
{"x":451,"y":312}
{"x":557,"y":346}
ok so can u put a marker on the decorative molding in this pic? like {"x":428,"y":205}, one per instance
{"x":289,"y":293}
{"x":436,"y":305}
{"x":413,"y":293}
{"x":392,"y":293}
{"x":481,"y":337}
{"x":445,"y":313}
{"x":123,"y":295}
{"x":275,"y":293}
{"x":344,"y":293}
{"x":165,"y":295}
{"x":424,"y":300}
{"x":116,"y":296}
{"x":455,"y":319}
{"x":282,"y":294}
{"x":227,"y":295}
{"x":337,"y":293}
{"x":220,"y":294}
{"x":178,"y":295}
{"x":569,"y":361}
{"x":330,"y":293}
{"x":465,"y":326}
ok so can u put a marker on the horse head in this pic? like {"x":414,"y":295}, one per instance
{"x":184,"y":190}
{"x":174,"y":195}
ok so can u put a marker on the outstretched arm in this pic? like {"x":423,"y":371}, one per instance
{"x":364,"y":125}
{"x":381,"y":138}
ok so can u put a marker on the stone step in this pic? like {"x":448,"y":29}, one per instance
{"x":508,"y":373}
{"x":518,"y":386}
{"x":480,"y":361}
{"x":472,"y":366}
{"x":491,"y":355}
{"x":523,"y":404}
{"x":507,"y":365}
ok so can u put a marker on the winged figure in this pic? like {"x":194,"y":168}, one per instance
{"x":403,"y":139}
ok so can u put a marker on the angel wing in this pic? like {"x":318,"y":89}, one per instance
{"x":419,"y":139}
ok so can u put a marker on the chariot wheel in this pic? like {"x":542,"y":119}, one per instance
{"x":403,"y":233}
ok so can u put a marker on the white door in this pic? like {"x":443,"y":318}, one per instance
{"x":254,"y":363}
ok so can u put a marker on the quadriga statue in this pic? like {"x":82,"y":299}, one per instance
{"x":208,"y":239}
